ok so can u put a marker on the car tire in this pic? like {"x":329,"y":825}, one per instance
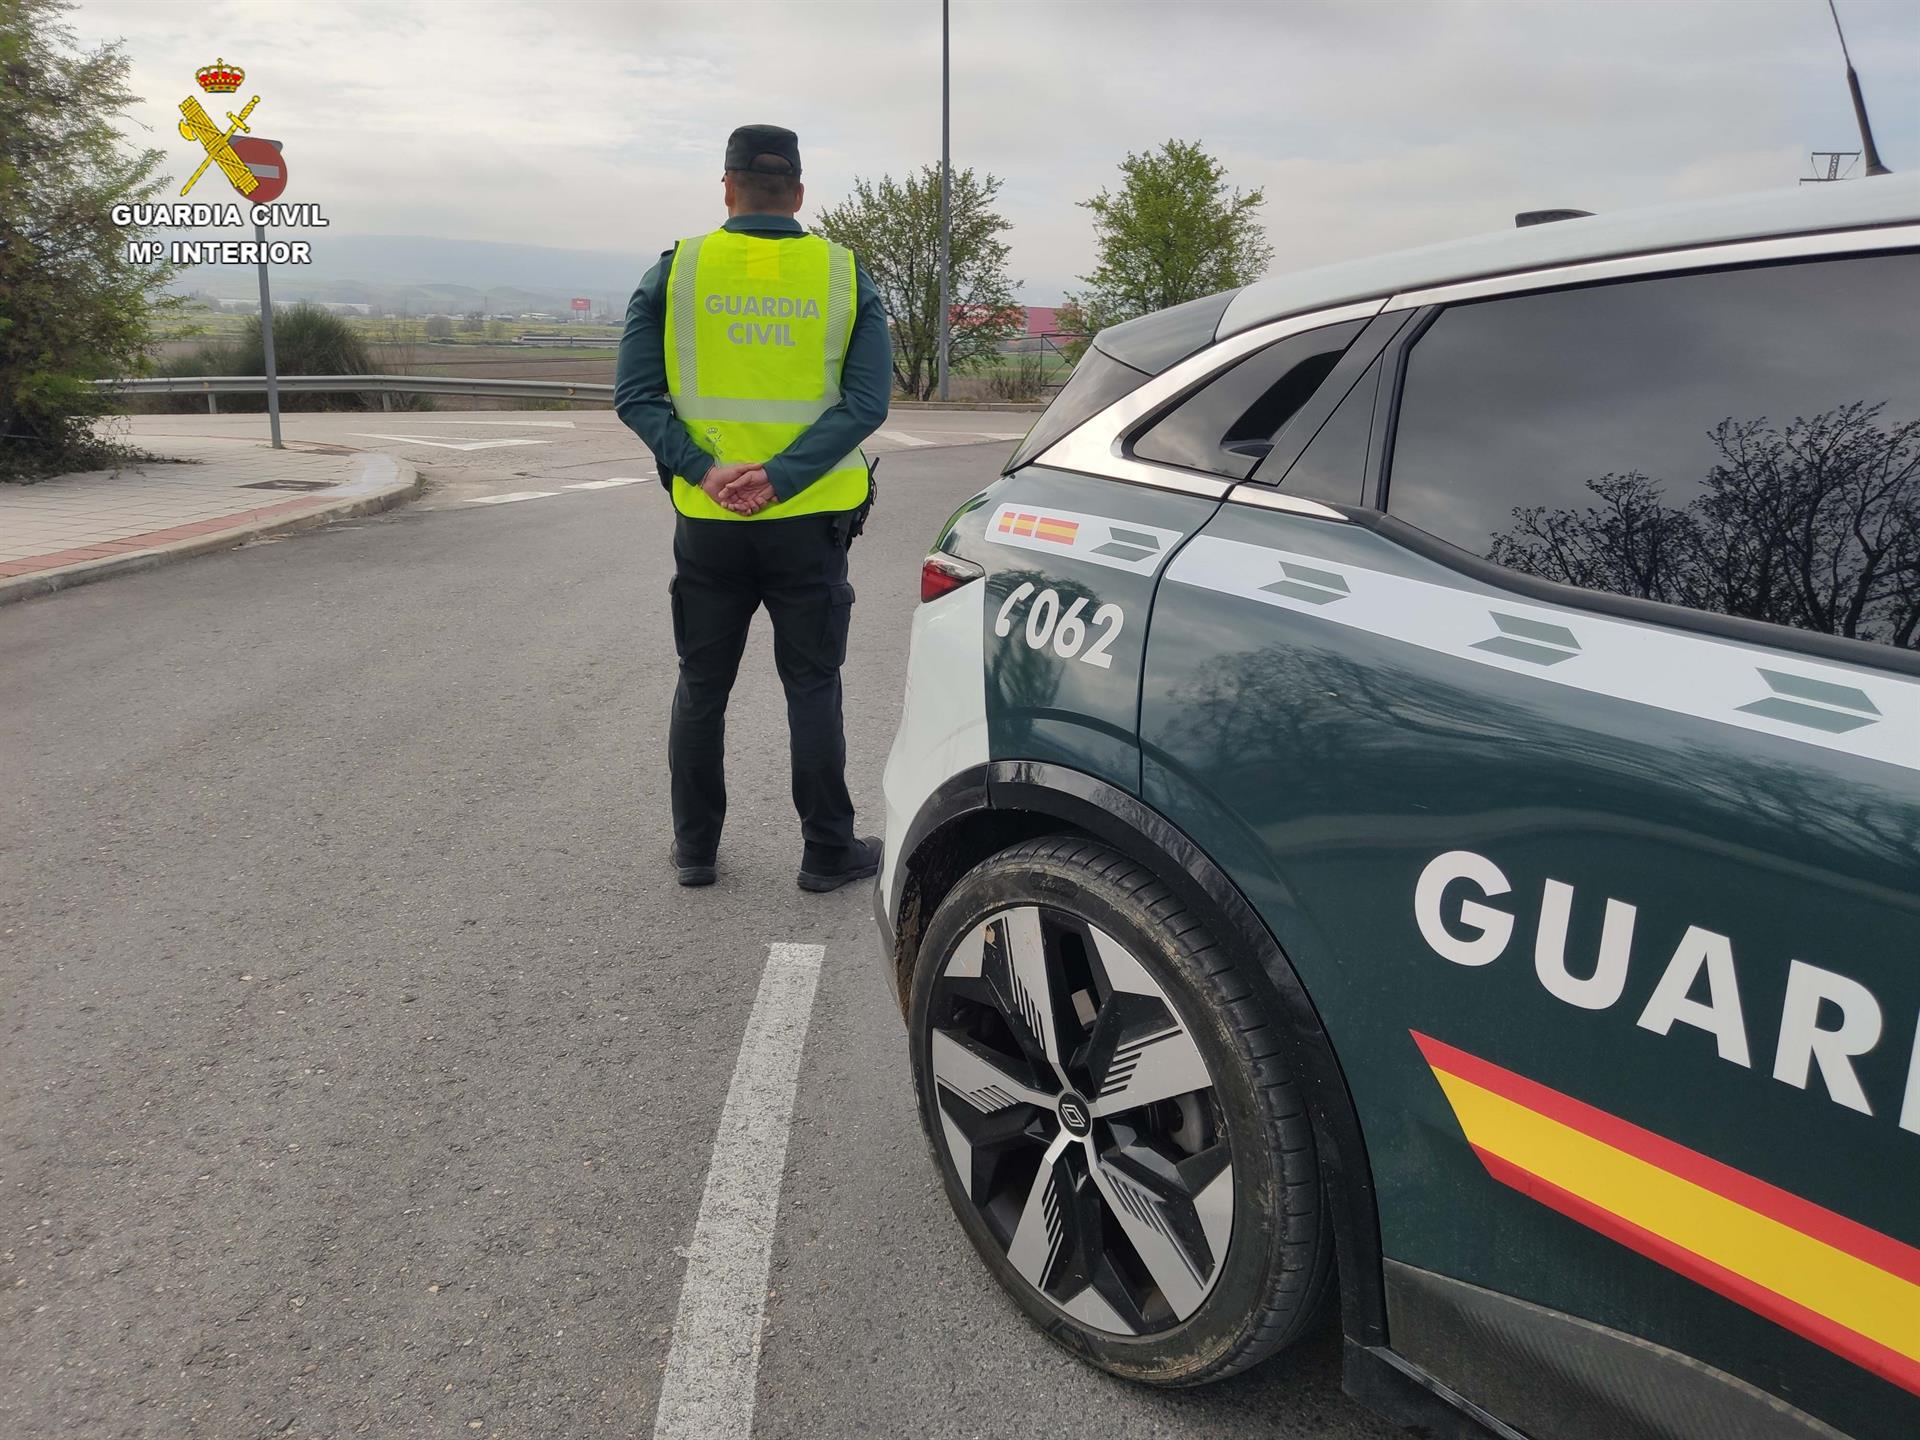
{"x":1116,"y":1239}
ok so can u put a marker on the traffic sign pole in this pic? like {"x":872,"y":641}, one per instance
{"x":266,"y":341}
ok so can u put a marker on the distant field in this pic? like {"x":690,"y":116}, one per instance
{"x":501,"y":362}
{"x":401,"y":347}
{"x":381,"y":330}
{"x":496,"y":362}
{"x":194,"y":325}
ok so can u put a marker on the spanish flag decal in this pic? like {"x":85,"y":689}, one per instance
{"x":1829,"y":1279}
{"x":1039,"y":527}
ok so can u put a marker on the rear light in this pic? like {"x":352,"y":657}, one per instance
{"x":942,"y":574}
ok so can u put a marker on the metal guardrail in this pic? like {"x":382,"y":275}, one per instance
{"x":385,"y":386}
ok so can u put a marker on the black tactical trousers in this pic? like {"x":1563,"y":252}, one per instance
{"x":724,"y":571}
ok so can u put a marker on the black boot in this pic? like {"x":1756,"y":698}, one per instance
{"x":688,"y":873}
{"x":858,"y":862}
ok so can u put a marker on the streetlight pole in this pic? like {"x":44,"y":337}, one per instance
{"x":946,"y":203}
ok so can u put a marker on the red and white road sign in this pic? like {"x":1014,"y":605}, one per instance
{"x":580,"y":302}
{"x":269,"y":167}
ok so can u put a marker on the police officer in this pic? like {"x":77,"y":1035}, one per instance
{"x":755,"y":360}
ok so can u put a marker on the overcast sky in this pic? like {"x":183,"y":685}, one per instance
{"x":1371,"y":125}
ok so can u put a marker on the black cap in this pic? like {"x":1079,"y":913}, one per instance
{"x":747,"y":145}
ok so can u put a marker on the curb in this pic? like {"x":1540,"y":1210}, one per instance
{"x":380,"y":482}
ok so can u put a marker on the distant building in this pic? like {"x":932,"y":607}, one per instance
{"x":1040,"y":331}
{"x":1045,"y":320}
{"x":1036,"y":327}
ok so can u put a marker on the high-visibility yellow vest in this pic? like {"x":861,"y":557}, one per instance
{"x":756,"y":335}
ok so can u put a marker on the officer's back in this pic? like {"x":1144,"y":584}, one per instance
{"x":755,"y":360}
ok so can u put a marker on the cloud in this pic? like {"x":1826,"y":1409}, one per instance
{"x":1369,"y":125}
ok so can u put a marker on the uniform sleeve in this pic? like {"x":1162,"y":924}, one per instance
{"x":640,"y":395}
{"x":866,"y":384}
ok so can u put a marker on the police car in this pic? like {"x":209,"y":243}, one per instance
{"x":1408,"y":802}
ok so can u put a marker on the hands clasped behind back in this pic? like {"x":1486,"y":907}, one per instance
{"x":743,"y":489}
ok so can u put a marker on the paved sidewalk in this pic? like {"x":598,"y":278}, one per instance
{"x":83,"y":527}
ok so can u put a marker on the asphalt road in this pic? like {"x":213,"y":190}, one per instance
{"x":473,"y":455}
{"x":361,"y":1063}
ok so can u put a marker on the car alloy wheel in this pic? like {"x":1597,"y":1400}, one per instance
{"x":1078,"y":1109}
{"x":1115,"y":1117}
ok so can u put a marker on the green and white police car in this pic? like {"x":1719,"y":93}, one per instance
{"x":1409,"y":800}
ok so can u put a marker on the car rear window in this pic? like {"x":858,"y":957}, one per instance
{"x":1166,"y":337}
{"x":1121,"y":359}
{"x":1097,"y":381}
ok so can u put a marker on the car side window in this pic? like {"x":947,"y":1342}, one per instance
{"x":1334,"y":464}
{"x":1744,"y":442}
{"x":1230,"y":423}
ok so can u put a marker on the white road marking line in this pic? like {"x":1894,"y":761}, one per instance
{"x":707,"y":1392}
{"x":543,"y":424}
{"x":446,"y":444}
{"x":510,"y":497}
{"x":602,"y":484}
{"x":900,"y":437}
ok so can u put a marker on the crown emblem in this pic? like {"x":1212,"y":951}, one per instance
{"x":220,"y":78}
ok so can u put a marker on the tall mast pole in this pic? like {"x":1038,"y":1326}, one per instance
{"x":946,"y":203}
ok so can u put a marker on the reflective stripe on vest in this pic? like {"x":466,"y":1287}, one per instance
{"x":756,"y":336}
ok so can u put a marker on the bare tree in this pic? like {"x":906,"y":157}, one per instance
{"x":1816,"y":526}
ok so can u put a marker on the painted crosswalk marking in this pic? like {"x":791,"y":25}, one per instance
{"x":510,"y":497}
{"x":515,"y":424}
{"x":604,"y":484}
{"x":447,"y":444}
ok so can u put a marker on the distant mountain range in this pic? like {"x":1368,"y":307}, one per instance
{"x":424,"y":274}
{"x":428,"y":274}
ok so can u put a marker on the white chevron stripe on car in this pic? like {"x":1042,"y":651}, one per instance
{"x":1857,"y":711}
{"x":1097,"y":539}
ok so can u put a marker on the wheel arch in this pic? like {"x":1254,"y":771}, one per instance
{"x":986,"y":808}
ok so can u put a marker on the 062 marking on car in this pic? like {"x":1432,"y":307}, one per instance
{"x":1874,"y":716}
{"x":1117,"y":544}
{"x":1047,"y":623}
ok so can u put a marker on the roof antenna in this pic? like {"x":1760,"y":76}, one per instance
{"x":1874,"y":167}
{"x":1547,"y":217}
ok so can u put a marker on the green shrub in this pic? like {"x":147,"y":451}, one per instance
{"x":306,"y":341}
{"x":1020,"y":377}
